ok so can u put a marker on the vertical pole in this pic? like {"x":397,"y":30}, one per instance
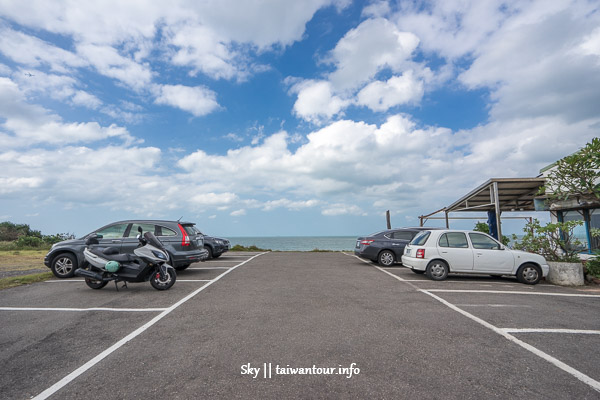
{"x":421,"y":221}
{"x":447,"y":222}
{"x":497,"y":207}
{"x":388,"y":219}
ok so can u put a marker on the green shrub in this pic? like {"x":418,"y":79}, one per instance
{"x":29,"y":241}
{"x":554,"y":241}
{"x":593,"y":265}
{"x":239,"y":247}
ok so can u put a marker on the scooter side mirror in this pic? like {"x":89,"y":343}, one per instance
{"x":140,"y":229}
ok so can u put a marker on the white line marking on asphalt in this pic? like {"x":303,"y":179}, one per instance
{"x":81,"y":309}
{"x":220,"y":261}
{"x":198,"y":268}
{"x":493,"y":305}
{"x":65,"y":280}
{"x":194,"y":280}
{"x":73,"y":375}
{"x":528,"y":330}
{"x":577,"y":374}
{"x":512,"y":292}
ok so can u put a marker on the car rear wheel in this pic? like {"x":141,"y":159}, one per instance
{"x":64,"y":265}
{"x":529,"y":274}
{"x":182,"y":267}
{"x":386,"y":258}
{"x":437,"y":270}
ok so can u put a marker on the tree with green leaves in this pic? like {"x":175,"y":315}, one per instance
{"x":576,"y":176}
{"x":485,"y":228}
{"x":555,"y":241}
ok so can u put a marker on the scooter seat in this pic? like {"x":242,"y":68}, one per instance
{"x":104,"y":251}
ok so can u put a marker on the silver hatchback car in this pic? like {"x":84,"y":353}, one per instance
{"x":440,"y":252}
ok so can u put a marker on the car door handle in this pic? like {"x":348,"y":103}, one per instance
{"x":479,"y":254}
{"x":115,"y":241}
{"x":444,"y":252}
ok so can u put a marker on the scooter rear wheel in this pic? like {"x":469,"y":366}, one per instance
{"x":94,"y":284}
{"x":165,"y":281}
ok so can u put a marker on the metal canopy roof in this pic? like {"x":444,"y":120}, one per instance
{"x":513,"y":194}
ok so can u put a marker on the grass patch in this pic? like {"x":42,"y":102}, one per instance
{"x":14,"y":281}
{"x":13,"y":246}
{"x":239,"y":247}
{"x":22,"y":260}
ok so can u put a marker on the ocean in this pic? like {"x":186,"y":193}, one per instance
{"x":297,"y":243}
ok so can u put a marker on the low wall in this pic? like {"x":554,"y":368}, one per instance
{"x":565,"y":274}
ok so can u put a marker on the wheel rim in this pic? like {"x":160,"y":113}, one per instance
{"x":387,"y":258}
{"x":530,"y":274}
{"x":63,"y":266}
{"x":438,"y":270}
{"x":164,"y":281}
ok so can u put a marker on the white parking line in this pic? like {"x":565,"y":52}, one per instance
{"x":513,"y":292}
{"x":198,"y":268}
{"x":73,"y":375}
{"x":528,"y":330}
{"x":559,"y":364}
{"x":81,"y":309}
{"x":494,"y":305}
{"x":194,"y":280}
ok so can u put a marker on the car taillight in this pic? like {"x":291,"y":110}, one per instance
{"x":366,"y":241}
{"x":420,"y":253}
{"x":185,"y":239}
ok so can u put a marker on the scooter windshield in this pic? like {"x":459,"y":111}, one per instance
{"x":153,"y":240}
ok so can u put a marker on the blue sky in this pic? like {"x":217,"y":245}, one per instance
{"x":261,"y":118}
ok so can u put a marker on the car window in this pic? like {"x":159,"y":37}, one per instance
{"x":189,"y":229}
{"x":133,"y":232}
{"x":164,"y":231}
{"x":454,"y":239}
{"x":480,"y":241}
{"x":421,"y":238}
{"x":403,"y":235}
{"x":113,"y":231}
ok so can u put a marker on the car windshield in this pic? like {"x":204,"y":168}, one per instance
{"x":421,"y":238}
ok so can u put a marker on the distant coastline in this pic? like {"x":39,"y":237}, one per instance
{"x":297,"y":243}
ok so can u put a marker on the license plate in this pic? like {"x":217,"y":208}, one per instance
{"x":407,"y":252}
{"x":357,"y":244}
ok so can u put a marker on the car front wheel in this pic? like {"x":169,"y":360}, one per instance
{"x":386,"y":258}
{"x":64,"y":265}
{"x":529,"y":274}
{"x":437,"y":270}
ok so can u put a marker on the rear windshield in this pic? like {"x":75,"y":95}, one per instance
{"x":190,"y":230}
{"x":421,"y":238}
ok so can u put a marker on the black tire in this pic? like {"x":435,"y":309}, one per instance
{"x":437,"y":270}
{"x":64,"y":265}
{"x":417,"y":271}
{"x":165,"y":282}
{"x":94,"y":284}
{"x":529,"y":274}
{"x":386,"y":258}
{"x":182,"y":267}
{"x":210,"y":255}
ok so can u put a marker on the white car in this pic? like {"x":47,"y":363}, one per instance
{"x":440,"y":252}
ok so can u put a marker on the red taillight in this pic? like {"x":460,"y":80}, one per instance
{"x":366,"y":241}
{"x":185,"y":239}
{"x":420,"y":253}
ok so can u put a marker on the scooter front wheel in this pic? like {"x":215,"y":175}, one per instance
{"x":95,"y":284}
{"x":163,"y":281}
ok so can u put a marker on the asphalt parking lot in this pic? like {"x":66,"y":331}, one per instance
{"x":300,"y":325}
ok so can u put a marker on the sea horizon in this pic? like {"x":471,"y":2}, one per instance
{"x":296,"y":243}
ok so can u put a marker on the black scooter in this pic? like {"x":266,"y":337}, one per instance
{"x":147,"y":263}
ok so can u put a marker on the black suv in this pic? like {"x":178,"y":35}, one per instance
{"x":214,"y":245}
{"x":386,"y":247}
{"x":182,"y":241}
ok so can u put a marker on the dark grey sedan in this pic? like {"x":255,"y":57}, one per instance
{"x":184,"y":245}
{"x":386,"y":247}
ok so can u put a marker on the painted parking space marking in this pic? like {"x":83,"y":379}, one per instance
{"x":194,"y":280}
{"x":568,"y":331}
{"x":512,"y":292}
{"x":200,"y":268}
{"x":494,"y":305}
{"x":506,"y":332}
{"x":91,"y":363}
{"x":82,"y":309}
